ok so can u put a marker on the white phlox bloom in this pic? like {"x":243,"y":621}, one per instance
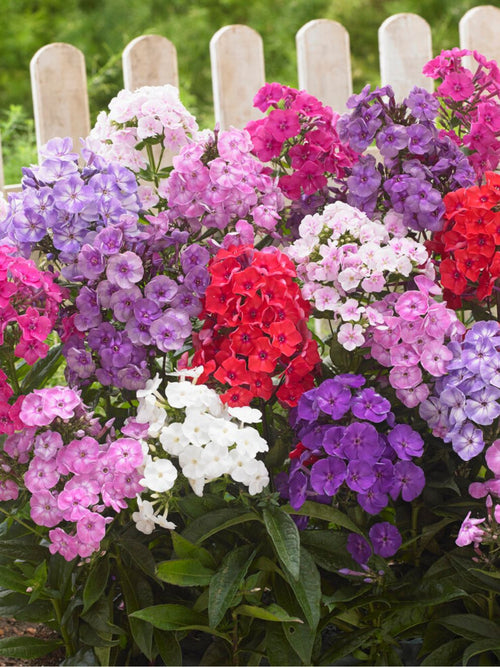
{"x":223,"y":431}
{"x":245,"y":414}
{"x":146,"y":519}
{"x":249,"y":471}
{"x":159,"y":475}
{"x":151,"y":413}
{"x":150,"y":388}
{"x":250,"y":441}
{"x":191,"y":462}
{"x":215,"y":459}
{"x":173,"y":439}
{"x":196,"y":428}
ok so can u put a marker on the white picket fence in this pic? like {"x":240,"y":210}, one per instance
{"x":59,"y":84}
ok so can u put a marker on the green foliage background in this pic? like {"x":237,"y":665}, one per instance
{"x":102,"y":28}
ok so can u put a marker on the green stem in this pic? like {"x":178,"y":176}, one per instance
{"x":491,"y":600}
{"x":24,"y":525}
{"x":414,"y":532}
{"x":68,"y":644}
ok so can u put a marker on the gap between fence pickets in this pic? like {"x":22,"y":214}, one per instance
{"x":59,"y":84}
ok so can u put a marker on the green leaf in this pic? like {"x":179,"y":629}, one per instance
{"x":299,"y":636}
{"x":42,"y":370}
{"x":169,"y":647}
{"x":272,"y":612}
{"x":170,"y":616}
{"x":328,"y":548}
{"x":186,"y":572}
{"x":11,"y":580}
{"x":85,"y":657}
{"x":447,"y":654}
{"x":479,"y":647}
{"x":185,"y":549}
{"x":307,"y":589}
{"x":325,"y":512}
{"x":209,"y":524}
{"x":278,"y":650}
{"x":226,"y":582}
{"x":345,"y":645}
{"x":134,"y":600}
{"x":139,"y":555}
{"x":285,"y":537}
{"x":27,"y":648}
{"x":96,"y":583}
{"x":470,"y":626}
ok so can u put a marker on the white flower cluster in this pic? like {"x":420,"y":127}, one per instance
{"x":213,"y":440}
{"x":342,"y":256}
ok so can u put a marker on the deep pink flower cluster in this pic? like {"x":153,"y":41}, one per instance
{"x":472,"y":99}
{"x":410,"y":339}
{"x":217,"y":182}
{"x":29,"y":306}
{"x":300,"y":131}
{"x":73,"y":467}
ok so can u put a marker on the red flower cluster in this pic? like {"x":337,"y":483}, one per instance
{"x":468,"y":244}
{"x":29,"y":305}
{"x":255,"y":328}
{"x":300,"y":132}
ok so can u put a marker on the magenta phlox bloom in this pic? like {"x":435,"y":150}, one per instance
{"x":385,"y":539}
{"x":125,"y":455}
{"x":41,"y":475}
{"x":469,"y":531}
{"x":44,"y":509}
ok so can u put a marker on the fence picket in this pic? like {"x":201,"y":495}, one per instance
{"x":60,"y":100}
{"x":324,"y":62}
{"x":149,"y":60}
{"x":405,"y":45}
{"x":479,"y":29}
{"x":237,"y":58}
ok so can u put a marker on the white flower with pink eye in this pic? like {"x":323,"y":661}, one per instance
{"x":350,"y":336}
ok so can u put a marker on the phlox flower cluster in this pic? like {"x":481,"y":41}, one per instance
{"x":137,"y":306}
{"x":418,"y":164}
{"x":193,"y":433}
{"x":464,"y":402}
{"x":151,"y":115}
{"x":469,"y":104}
{"x":350,"y":445}
{"x":77,"y":471}
{"x":29,"y":308}
{"x":468,"y":244}
{"x":62,"y":207}
{"x":385,"y":541}
{"x":216,"y":182}
{"x":254,"y":340}
{"x":485,"y":530}
{"x":411,"y":337}
{"x":343,"y":259}
{"x":299,"y":136}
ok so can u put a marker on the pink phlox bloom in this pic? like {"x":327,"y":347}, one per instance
{"x":283,"y":124}
{"x":457,"y":85}
{"x":411,"y":305}
{"x":44,"y":510}
{"x":33,"y":411}
{"x":61,"y":542}
{"x":41,"y":475}
{"x":493,"y":457}
{"x":17,"y":445}
{"x":469,"y":531}
{"x":80,"y":455}
{"x":405,"y":377}
{"x":404,"y":355}
{"x":47,"y":444}
{"x":8,"y":490}
{"x":91,"y":527}
{"x":482,"y":489}
{"x":350,"y":336}
{"x":434,"y":357}
{"x":61,"y":401}
{"x":126,"y":455}
{"x":73,"y":502}
{"x":413,"y":396}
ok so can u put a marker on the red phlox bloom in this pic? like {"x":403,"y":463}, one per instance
{"x":470,"y":265}
{"x":232,"y":371}
{"x":452,"y":278}
{"x":264,"y":356}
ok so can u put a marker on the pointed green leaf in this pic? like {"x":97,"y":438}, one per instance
{"x":42,"y":370}
{"x":346,"y":644}
{"x":299,"y":637}
{"x":170,"y":616}
{"x":449,"y":653}
{"x":272,"y":612}
{"x":325,"y":512}
{"x":27,"y":648}
{"x":12,"y":580}
{"x":278,"y":650}
{"x":185,"y":549}
{"x":185,"y":572}
{"x":96,"y":583}
{"x":213,"y":522}
{"x":307,"y":589}
{"x":226,"y":582}
{"x":169,"y":647}
{"x":470,"y":626}
{"x":482,"y":646}
{"x":285,"y":537}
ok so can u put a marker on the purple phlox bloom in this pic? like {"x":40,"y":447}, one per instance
{"x":307,"y":407}
{"x":327,"y":475}
{"x":161,"y":289}
{"x":384,"y":474}
{"x":468,"y":441}
{"x":297,"y":488}
{"x":109,"y":240}
{"x":125,"y":269}
{"x":146,"y":311}
{"x":422,"y":104}
{"x":54,"y":170}
{"x":133,"y":377}
{"x":370,"y":405}
{"x":197,"y":280}
{"x":186,"y":301}
{"x":419,"y":138}
{"x":105,"y":186}
{"x":350,"y":380}
{"x":385,"y":539}
{"x":80,"y":361}
{"x":479,"y":355}
{"x":372,"y":501}
{"x":360,"y":476}
{"x":59,"y":148}
{"x":391,"y":139}
{"x":361,"y":441}
{"x":469,"y":532}
{"x":364,"y":179}
{"x":406,"y":442}
{"x":312,"y":435}
{"x":123,"y":301}
{"x":171,"y":330}
{"x":72,"y":194}
{"x":454,"y":399}
{"x":332,"y":440}
{"x":409,"y":479}
{"x":333,"y":398}
{"x":28,"y":226}
{"x":102,"y":336}
{"x":359,"y":548}
{"x":90,"y":262}
{"x":119,"y":353}
{"x":482,"y":406}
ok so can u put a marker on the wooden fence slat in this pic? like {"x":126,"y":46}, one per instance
{"x":324,"y":62}
{"x":149,"y":60}
{"x":237,"y":60}
{"x":405,"y":45}
{"x":479,"y":30}
{"x":60,"y":100}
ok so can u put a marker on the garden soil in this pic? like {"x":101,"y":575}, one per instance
{"x":9,"y":627}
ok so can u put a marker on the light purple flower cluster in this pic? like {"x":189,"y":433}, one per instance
{"x":62,"y":207}
{"x":73,"y":467}
{"x":131,"y":312}
{"x":410,"y":338}
{"x":465,"y":401}
{"x":217,"y":182}
{"x":348,"y":436}
{"x":419,"y":164}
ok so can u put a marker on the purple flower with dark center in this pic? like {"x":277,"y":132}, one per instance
{"x":359,"y":548}
{"x":409,"y":479}
{"x":332,"y":440}
{"x":194,"y":255}
{"x":138,"y":332}
{"x":327,"y":475}
{"x":53,"y":170}
{"x":197,"y":280}
{"x":68,"y":237}
{"x":307,"y":407}
{"x":186,"y":301}
{"x":422,"y":104}
{"x":109,"y":240}
{"x":360,"y":476}
{"x":161,"y":289}
{"x":313,"y":434}
{"x":391,"y":139}
{"x":482,"y":407}
{"x":146,"y":311}
{"x":385,"y":539}
{"x":133,"y":377}
{"x":372,"y":501}
{"x":406,"y":442}
{"x":364,"y":179}
{"x":122,"y":302}
{"x":370,"y":405}
{"x":333,"y":398}
{"x":125,"y":269}
{"x":171,"y":330}
{"x":104,"y":186}
{"x":90,"y":262}
{"x":361,"y":441}
{"x":118,"y":354}
{"x":419,"y":139}
{"x":297,"y":489}
{"x":80,"y":361}
{"x":71,"y":194}
{"x":101,"y":336}
{"x":29,"y":227}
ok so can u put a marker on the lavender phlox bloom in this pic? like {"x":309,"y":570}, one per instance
{"x":72,"y":194}
{"x":161,"y":289}
{"x":80,"y":361}
{"x":482,"y":406}
{"x":370,"y":405}
{"x":333,"y":398}
{"x":125,"y":269}
{"x":391,"y":139}
{"x":327,"y":475}
{"x":122,"y":302}
{"x":109,"y":240}
{"x":406,"y":442}
{"x":171,"y":330}
{"x":409,"y":480}
{"x":90,"y":262}
{"x":365,"y":178}
{"x":468,"y":441}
